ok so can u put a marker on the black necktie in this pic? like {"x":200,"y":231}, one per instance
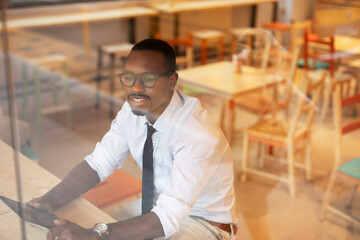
{"x":148,"y":173}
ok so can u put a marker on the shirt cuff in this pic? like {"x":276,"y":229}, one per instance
{"x":171,"y":213}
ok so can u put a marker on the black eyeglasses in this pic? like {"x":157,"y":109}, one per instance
{"x":147,"y":79}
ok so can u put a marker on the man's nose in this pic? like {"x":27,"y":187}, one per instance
{"x":138,"y":86}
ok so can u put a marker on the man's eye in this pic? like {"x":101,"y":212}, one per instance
{"x":149,"y":78}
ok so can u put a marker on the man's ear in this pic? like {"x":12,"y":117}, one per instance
{"x":173,"y":80}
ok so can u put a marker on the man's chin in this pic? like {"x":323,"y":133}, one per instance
{"x":138,"y":112}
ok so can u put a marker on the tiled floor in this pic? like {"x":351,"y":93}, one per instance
{"x":265,"y":209}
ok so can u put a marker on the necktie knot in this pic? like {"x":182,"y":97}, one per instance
{"x":150,"y":130}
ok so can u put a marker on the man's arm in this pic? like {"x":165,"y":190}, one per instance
{"x":142,"y":227}
{"x":77,"y":182}
{"x":81,"y":179}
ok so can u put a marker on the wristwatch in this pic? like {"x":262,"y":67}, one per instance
{"x":101,"y":230}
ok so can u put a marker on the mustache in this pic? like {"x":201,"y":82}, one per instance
{"x":138,"y":95}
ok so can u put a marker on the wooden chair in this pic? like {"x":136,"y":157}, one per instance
{"x":55,"y":66}
{"x":114,"y":51}
{"x":258,"y":42}
{"x":324,"y":50}
{"x":185,"y":60}
{"x":209,"y":35}
{"x":274,"y":99}
{"x":350,"y":169}
{"x":289,"y":135}
{"x":278,"y":28}
{"x":297,"y":30}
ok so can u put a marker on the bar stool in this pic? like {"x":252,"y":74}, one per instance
{"x":278,"y":28}
{"x":114,"y":51}
{"x":207,"y":35}
{"x":54,"y":63}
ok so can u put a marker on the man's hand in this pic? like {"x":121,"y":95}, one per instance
{"x":66,"y":230}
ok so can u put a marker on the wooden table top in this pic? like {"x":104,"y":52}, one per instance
{"x":220,"y":78}
{"x":347,"y":44}
{"x":174,"y":7}
{"x":78,"y":17}
{"x":35,"y":182}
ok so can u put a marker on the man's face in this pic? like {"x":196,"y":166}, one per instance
{"x":150,"y":102}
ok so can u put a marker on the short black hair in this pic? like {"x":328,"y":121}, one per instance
{"x":161,"y":46}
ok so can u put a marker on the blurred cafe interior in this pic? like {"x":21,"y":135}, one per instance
{"x":280,"y":77}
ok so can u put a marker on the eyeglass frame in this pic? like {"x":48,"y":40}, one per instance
{"x":138,"y":76}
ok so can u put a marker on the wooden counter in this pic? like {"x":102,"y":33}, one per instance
{"x":35,"y":182}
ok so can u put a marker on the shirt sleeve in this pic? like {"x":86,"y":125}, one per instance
{"x":113,"y":149}
{"x":195,"y":162}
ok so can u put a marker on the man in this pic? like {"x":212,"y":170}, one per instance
{"x":192,"y":161}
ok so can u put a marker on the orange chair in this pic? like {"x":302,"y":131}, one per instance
{"x":351,"y":169}
{"x":289,"y":135}
{"x":118,"y":189}
{"x":209,"y":35}
{"x":323,"y":50}
{"x":187,"y":60}
{"x":278,"y":28}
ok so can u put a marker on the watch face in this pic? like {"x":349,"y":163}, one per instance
{"x":101,"y":227}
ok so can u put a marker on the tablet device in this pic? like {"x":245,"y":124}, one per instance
{"x":30,"y":214}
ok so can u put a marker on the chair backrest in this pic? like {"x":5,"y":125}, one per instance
{"x":342,"y":128}
{"x":322,"y":50}
{"x":307,"y":102}
{"x":188,"y":58}
{"x":291,"y":75}
{"x":258,"y":44}
{"x":297,"y":32}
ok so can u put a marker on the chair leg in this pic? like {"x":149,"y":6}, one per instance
{"x":98,"y":78}
{"x":291,"y":172}
{"x":245,"y":159}
{"x":37,"y":100}
{"x":221,"y":48}
{"x":112,"y":84}
{"x":327,"y":96}
{"x":261,"y":157}
{"x":308,"y":158}
{"x":54,"y":90}
{"x":25,"y":91}
{"x":327,"y":195}
{"x":353,"y":194}
{"x":68,"y":96}
{"x":203,"y":51}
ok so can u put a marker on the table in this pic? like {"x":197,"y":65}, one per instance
{"x":83,"y":16}
{"x":344,"y":45}
{"x":347,"y":44}
{"x":222,"y":80}
{"x":35,"y":182}
{"x":177,"y":7}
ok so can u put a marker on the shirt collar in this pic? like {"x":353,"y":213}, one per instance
{"x":164,"y":120}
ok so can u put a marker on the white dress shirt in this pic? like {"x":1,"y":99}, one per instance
{"x":193,"y":163}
